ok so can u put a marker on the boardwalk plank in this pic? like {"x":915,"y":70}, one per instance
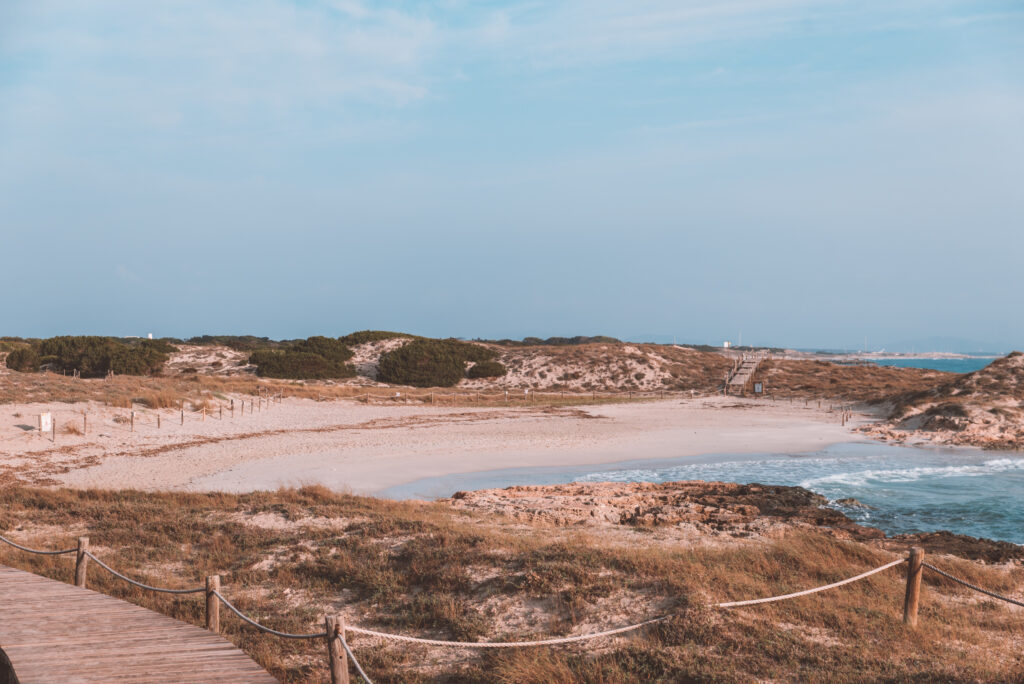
{"x":58,"y":632}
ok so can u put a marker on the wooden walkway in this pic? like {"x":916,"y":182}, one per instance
{"x":56,"y":632}
{"x":749,"y":363}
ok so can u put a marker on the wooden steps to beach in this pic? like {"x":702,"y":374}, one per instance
{"x":56,"y":632}
{"x":744,"y":372}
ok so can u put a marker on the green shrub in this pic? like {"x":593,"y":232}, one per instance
{"x":295,"y":365}
{"x":25,"y":360}
{"x":142,"y":357}
{"x":364,"y":336}
{"x":238,"y":342}
{"x":487,"y":369}
{"x":93,"y":356}
{"x":329,"y":348}
{"x":430,"y":363}
{"x":555,"y":341}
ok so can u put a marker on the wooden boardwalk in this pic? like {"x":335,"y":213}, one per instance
{"x":56,"y":632}
{"x":744,"y":373}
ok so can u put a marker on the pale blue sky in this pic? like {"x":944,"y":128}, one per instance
{"x":808,"y":172}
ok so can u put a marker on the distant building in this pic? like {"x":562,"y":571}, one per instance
{"x":726,"y":344}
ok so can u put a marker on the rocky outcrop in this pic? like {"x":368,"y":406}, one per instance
{"x":983,"y":409}
{"x":711,"y":508}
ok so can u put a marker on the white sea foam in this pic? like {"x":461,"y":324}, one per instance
{"x":861,"y":478}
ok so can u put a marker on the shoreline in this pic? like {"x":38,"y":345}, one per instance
{"x":586,"y":437}
{"x":365,"y":449}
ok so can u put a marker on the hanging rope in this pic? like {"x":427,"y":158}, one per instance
{"x":38,"y":551}
{"x":268,"y":630}
{"x":971,"y":586}
{"x":129,"y":580}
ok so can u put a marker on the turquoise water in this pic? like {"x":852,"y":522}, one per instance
{"x":908,"y":489}
{"x":968,"y":365}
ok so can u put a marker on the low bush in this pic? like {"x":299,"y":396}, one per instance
{"x":364,"y":336}
{"x":92,"y":356}
{"x":25,"y":360}
{"x":296,"y":365}
{"x":430,"y":363}
{"x":555,"y":341}
{"x":327,"y":347}
{"x":238,"y":342}
{"x":487,"y":369}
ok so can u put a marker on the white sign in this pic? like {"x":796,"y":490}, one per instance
{"x":45,"y":422}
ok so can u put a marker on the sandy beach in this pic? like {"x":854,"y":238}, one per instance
{"x":350,"y":446}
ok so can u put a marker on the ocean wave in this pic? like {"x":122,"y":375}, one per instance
{"x":773,"y":469}
{"x":863,"y":478}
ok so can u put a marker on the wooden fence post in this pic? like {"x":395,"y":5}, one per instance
{"x":913,"y":597}
{"x":133,"y":421}
{"x":81,"y":561}
{"x":337,"y":659}
{"x":85,"y":423}
{"x":182,"y":416}
{"x":157,"y":421}
{"x":212,"y":603}
{"x":204,"y":412}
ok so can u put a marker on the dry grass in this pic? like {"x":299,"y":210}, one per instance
{"x":287,"y":557}
{"x":72,"y":427}
{"x":199,"y":390}
{"x":560,"y":374}
{"x":798,"y":378}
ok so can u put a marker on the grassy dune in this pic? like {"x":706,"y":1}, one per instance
{"x":288,"y":557}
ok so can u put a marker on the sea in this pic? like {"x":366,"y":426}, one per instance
{"x":964,"y":365}
{"x":898,"y":489}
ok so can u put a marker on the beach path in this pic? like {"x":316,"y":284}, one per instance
{"x":56,"y":632}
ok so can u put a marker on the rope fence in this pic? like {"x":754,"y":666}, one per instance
{"x":972,"y":586}
{"x":336,"y":629}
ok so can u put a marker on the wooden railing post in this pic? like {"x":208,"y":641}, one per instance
{"x":337,"y":659}
{"x":81,"y":561}
{"x":913,"y":596}
{"x":212,"y":603}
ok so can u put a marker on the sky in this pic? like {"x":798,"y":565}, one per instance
{"x":811,"y":173}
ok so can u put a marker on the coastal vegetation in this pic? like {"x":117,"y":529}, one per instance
{"x":426,"y":569}
{"x":430,"y":363}
{"x":486,"y":369}
{"x":92,"y":356}
{"x":554,"y":341}
{"x":366,"y":336}
{"x":315,"y":358}
{"x":239,"y":342}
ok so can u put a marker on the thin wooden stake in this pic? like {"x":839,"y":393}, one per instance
{"x":913,"y":596}
{"x":182,"y":416}
{"x":85,"y":423}
{"x":337,"y":659}
{"x":81,"y":561}
{"x":212,"y":603}
{"x":158,"y":421}
{"x":133,"y":421}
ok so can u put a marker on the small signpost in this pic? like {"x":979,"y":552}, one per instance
{"x":45,"y":423}
{"x":758,"y":388}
